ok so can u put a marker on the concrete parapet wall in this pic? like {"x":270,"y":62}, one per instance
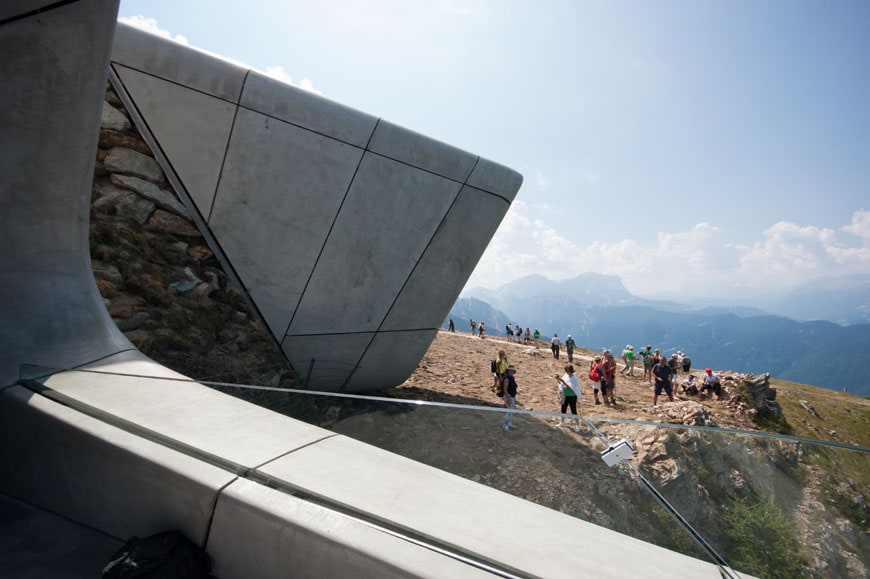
{"x":265,"y":494}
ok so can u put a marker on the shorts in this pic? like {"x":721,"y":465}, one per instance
{"x":657,"y":389}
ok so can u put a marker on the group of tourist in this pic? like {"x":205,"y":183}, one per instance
{"x":662,"y":372}
{"x":516,"y":333}
{"x":513,"y":333}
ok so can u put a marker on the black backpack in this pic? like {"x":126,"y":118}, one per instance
{"x":493,"y":366}
{"x":167,"y":555}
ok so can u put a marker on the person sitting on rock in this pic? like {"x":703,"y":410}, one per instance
{"x":711,"y":383}
{"x":690,"y":387}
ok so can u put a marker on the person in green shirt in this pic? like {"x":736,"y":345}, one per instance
{"x":628,"y":358}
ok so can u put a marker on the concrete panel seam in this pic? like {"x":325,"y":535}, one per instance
{"x":212,"y":510}
{"x":133,"y":428}
{"x":408,"y":278}
{"x":217,"y":186}
{"x":43,"y":10}
{"x":355,"y":333}
{"x":367,"y":149}
{"x":376,"y":521}
{"x":328,"y":234}
{"x":182,"y":193}
{"x":296,"y":449}
{"x":397,"y":530}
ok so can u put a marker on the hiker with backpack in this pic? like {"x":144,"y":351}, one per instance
{"x":597,"y":377}
{"x":648,"y":361}
{"x":569,"y":348}
{"x":498,"y":368}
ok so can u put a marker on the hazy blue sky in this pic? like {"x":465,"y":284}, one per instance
{"x":694,"y":148}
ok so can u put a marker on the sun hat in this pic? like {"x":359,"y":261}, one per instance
{"x":708,"y":371}
{"x":511,"y":367}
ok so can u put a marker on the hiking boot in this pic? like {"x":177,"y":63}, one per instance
{"x":559,"y":424}
{"x":597,"y":401}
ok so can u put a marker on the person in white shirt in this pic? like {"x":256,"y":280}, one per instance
{"x":569,"y":393}
{"x":555,"y":344}
{"x":711,"y":383}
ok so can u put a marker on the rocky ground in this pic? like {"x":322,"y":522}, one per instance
{"x":456,"y":368}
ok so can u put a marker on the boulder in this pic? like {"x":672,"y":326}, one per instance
{"x":130,"y":162}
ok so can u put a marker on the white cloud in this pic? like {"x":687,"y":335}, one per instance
{"x":278,"y":73}
{"x":701,"y":261}
{"x":860,"y":226}
{"x":150,"y":25}
{"x":306,"y":84}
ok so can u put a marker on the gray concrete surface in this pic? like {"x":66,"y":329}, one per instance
{"x":337,"y":223}
{"x":38,"y":544}
{"x":47,"y":142}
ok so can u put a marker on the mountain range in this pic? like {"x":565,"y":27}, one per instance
{"x":599,"y":312}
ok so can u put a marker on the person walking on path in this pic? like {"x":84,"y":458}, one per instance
{"x":569,"y":394}
{"x":450,"y":326}
{"x":481,"y":330}
{"x":510,"y":396}
{"x":569,"y":348}
{"x":662,"y":373}
{"x":555,"y":344}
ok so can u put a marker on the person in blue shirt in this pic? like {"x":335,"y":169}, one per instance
{"x":662,"y":373}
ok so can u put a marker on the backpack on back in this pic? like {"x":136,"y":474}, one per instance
{"x":168,"y":555}
{"x":595,"y":374}
{"x":493,"y":366}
